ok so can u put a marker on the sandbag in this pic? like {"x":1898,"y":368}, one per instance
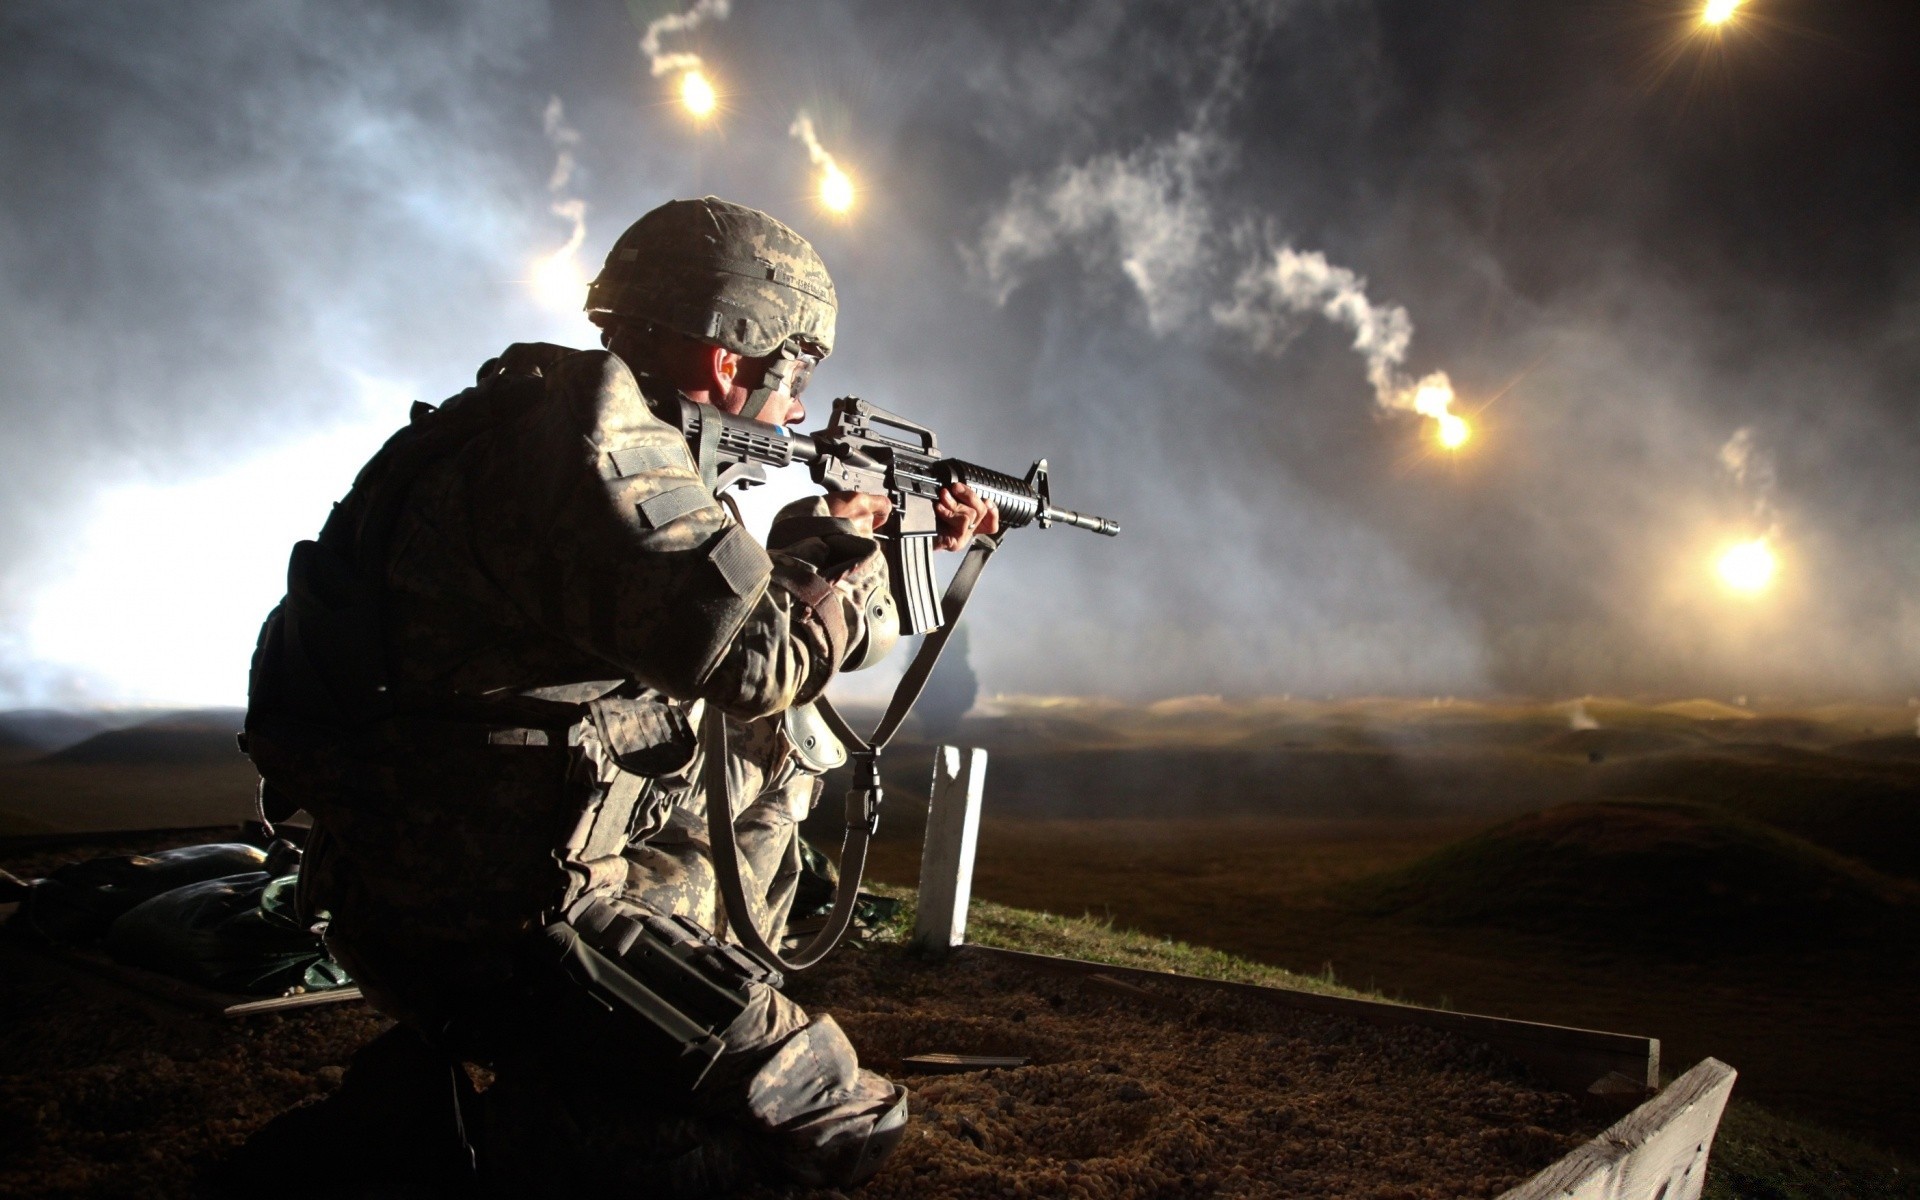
{"x":234,"y":934}
{"x":78,"y":902}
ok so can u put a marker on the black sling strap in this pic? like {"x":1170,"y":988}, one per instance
{"x":864,"y":794}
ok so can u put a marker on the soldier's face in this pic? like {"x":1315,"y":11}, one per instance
{"x":783,"y":407}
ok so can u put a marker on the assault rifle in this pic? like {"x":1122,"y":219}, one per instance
{"x":867,"y":449}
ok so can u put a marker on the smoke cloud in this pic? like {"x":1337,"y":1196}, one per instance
{"x":1145,"y":212}
{"x":1187,"y":252}
{"x":558,"y":278}
{"x":1294,"y":282}
{"x":664,"y":62}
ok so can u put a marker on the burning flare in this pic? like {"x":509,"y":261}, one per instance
{"x":836,"y":190}
{"x":1433,"y":397}
{"x":1719,"y":12}
{"x":696,"y":94}
{"x":1748,"y":568}
{"x":836,"y":186}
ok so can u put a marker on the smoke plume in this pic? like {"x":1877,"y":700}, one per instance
{"x":664,"y":62}
{"x":1293,"y":283}
{"x":835,"y":187}
{"x":1151,"y":216}
{"x":558,"y":278}
{"x":1146,"y":212}
{"x":1751,"y":468}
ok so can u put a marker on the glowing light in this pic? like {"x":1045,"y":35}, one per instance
{"x":1748,"y":568}
{"x":207,"y":559}
{"x":1719,"y":12}
{"x":696,"y":94}
{"x":559,"y":282}
{"x":836,"y":189}
{"x":1433,"y":397}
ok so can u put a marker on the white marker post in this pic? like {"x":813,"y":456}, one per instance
{"x":946,"y":858}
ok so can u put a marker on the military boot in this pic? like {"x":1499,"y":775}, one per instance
{"x":396,"y":1127}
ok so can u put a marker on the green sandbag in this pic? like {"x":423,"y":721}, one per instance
{"x":236,"y":934}
{"x":79,"y":901}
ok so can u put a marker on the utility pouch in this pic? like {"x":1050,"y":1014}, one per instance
{"x":660,"y":986}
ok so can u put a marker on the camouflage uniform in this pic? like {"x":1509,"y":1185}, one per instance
{"x":507,"y":628}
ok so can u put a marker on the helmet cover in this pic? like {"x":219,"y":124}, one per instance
{"x":721,"y":273}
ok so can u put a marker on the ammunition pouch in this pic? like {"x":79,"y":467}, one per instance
{"x":661,"y":989}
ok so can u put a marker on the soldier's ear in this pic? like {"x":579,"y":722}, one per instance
{"x":722,"y":366}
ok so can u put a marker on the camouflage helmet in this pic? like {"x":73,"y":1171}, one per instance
{"x":722,"y":273}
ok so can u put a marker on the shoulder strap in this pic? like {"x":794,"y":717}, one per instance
{"x":864,"y":794}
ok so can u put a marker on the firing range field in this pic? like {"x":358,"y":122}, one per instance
{"x":1735,"y":884}
{"x":1143,"y":1094}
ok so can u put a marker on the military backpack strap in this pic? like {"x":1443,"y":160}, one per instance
{"x":864,"y":795}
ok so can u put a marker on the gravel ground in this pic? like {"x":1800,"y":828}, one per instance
{"x":106,"y":1093}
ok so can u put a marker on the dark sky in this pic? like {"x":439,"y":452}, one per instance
{"x":233,"y":227}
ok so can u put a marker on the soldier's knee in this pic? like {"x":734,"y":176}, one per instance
{"x":832,"y":1122}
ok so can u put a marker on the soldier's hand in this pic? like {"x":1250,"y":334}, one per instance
{"x":864,"y":509}
{"x":962,"y":514}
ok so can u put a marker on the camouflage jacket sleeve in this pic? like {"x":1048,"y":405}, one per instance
{"x":611,"y":542}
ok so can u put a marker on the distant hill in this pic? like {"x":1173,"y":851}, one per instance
{"x":1677,"y":876}
{"x":1862,"y":801}
{"x":193,"y":736}
{"x":47,"y":729}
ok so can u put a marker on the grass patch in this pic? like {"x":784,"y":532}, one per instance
{"x":1095,"y":939}
{"x":1760,"y":1155}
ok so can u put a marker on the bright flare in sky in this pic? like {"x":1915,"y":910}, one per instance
{"x":1719,"y":12}
{"x":1434,"y":398}
{"x":559,"y":282}
{"x":836,"y":189}
{"x":1748,"y":567}
{"x":696,"y":94}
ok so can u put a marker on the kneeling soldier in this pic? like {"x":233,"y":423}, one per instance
{"x":484,"y":683}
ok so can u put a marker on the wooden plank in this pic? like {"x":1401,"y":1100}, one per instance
{"x":1563,"y":1057}
{"x":946,"y":857}
{"x":1656,"y":1152}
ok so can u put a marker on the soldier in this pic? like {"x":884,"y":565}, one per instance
{"x":483,"y":684}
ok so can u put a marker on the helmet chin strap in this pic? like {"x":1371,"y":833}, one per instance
{"x":778,"y":379}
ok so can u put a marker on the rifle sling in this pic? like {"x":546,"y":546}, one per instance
{"x":853,"y":850}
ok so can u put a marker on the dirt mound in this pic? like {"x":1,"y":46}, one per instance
{"x":1904,"y":748}
{"x":1866,"y":807}
{"x":1605,"y":743}
{"x":1668,"y":876}
{"x":200,"y":736}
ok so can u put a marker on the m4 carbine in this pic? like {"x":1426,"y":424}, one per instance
{"x":867,"y":449}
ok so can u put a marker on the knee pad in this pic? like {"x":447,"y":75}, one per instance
{"x":663,"y":985}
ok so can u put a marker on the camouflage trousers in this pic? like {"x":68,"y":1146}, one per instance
{"x":786,"y":1101}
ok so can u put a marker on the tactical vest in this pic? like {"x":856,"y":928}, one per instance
{"x":329,"y":729}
